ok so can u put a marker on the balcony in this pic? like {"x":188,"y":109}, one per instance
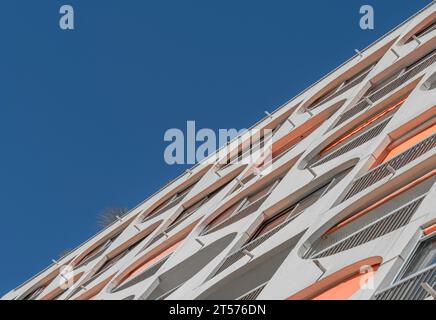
{"x":250,"y":153}
{"x":360,"y":232}
{"x":94,"y":254}
{"x":169,"y":206}
{"x":186,"y":214}
{"x":426,"y":30}
{"x":410,"y":288}
{"x":353,"y":144}
{"x":347,"y":85}
{"x":240,"y":214}
{"x":388,"y":168}
{"x":147,"y":273}
{"x":179,"y":221}
{"x":250,"y":279}
{"x":236,"y":256}
{"x":172,"y":278}
{"x":380,"y":91}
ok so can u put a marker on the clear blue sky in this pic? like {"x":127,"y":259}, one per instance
{"x":83,"y":112}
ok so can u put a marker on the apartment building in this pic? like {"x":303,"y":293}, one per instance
{"x":345,"y":209}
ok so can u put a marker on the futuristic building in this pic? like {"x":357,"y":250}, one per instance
{"x":343,"y":209}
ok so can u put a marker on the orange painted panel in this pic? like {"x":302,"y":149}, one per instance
{"x":410,"y":143}
{"x":290,"y":140}
{"x":343,"y":283}
{"x":361,"y":127}
{"x":346,"y":289}
{"x":150,"y":262}
{"x":91,"y":293}
{"x":55,"y":293}
{"x":223,"y":215}
{"x":430,"y":230}
{"x":381,"y":202}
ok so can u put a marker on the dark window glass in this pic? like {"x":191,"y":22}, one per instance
{"x":426,"y":30}
{"x":424,"y":256}
{"x":170,"y":203}
{"x":32,"y":295}
{"x":223,"y":216}
{"x":419,"y":61}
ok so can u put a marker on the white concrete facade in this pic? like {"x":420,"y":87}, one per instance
{"x":325,"y":239}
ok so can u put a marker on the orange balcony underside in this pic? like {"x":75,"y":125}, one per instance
{"x":346,"y":289}
{"x":430,"y":230}
{"x":342,"y":284}
{"x":410,"y":143}
{"x":381,"y":202}
{"x":361,"y":127}
{"x":150,"y":262}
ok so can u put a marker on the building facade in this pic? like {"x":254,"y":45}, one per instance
{"x":340,"y":205}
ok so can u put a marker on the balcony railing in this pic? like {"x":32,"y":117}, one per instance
{"x":242,"y":213}
{"x":184,"y":216}
{"x":179,"y":222}
{"x":236,"y":256}
{"x":251,"y":151}
{"x":358,"y":233}
{"x":341,"y":90}
{"x":388,"y":168}
{"x":426,"y":30}
{"x":154,"y":240}
{"x":106,"y":266}
{"x":354,"y":143}
{"x":410,"y":288}
{"x":253,"y":294}
{"x":170,"y":205}
{"x":92,"y":256}
{"x":168,"y":293}
{"x":377,"y":93}
{"x":147,"y":273}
